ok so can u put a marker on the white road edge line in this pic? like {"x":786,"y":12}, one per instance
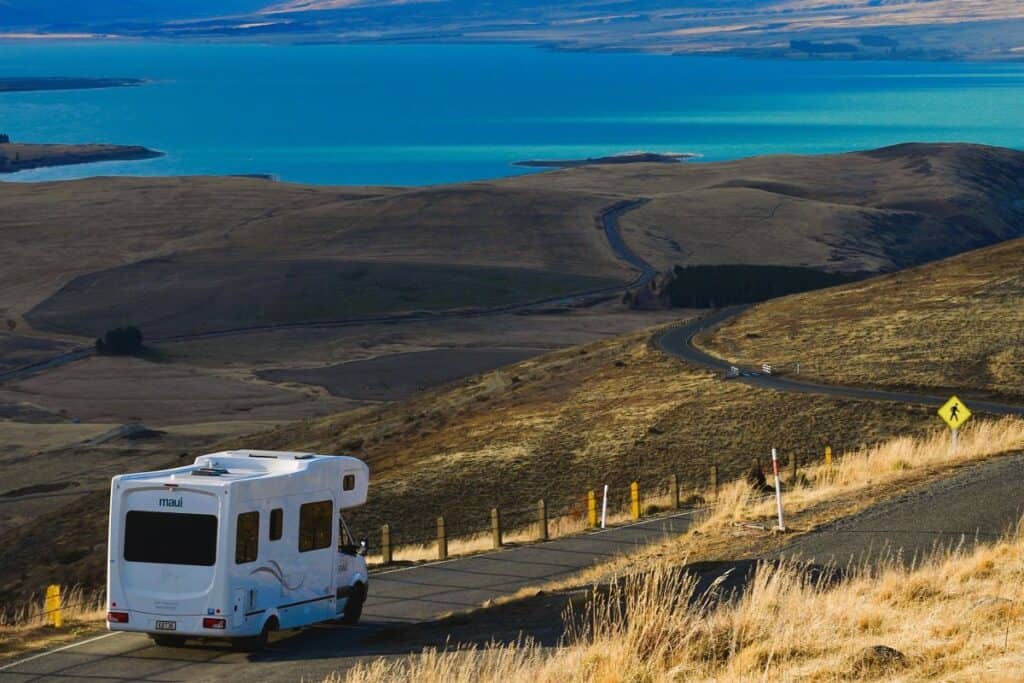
{"x":59,"y":649}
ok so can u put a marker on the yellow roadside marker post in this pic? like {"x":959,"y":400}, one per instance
{"x":52,"y":606}
{"x":592,"y":509}
{"x":955,"y":414}
{"x":634,"y":494}
{"x":828,"y":456}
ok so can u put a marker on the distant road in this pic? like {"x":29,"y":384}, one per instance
{"x":414,"y":594}
{"x":678,"y":342}
{"x":609,"y":219}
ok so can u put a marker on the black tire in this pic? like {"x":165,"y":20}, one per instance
{"x":255,"y":643}
{"x":354,"y":606}
{"x":165,"y":640}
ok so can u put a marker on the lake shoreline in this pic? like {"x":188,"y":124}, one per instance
{"x":15,"y":157}
{"x":45,"y":83}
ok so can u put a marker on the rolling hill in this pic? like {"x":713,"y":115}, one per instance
{"x":552,"y":426}
{"x":952,"y":326}
{"x":76,"y":268}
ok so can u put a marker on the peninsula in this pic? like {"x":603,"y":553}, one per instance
{"x":22,"y":156}
{"x":626,"y":158}
{"x":28,"y":84}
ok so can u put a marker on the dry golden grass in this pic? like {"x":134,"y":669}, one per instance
{"x":27,"y":627}
{"x":957,"y":616}
{"x":862,"y":473}
{"x":856,"y":480}
{"x":955,"y":324}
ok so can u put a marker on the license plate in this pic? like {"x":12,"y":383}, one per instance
{"x":166,"y":625}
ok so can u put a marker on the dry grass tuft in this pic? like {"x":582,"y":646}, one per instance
{"x":898,"y":460}
{"x":783,"y":627}
{"x":26,"y":627}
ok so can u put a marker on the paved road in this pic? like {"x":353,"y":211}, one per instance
{"x":978,"y":504}
{"x":404,"y":595}
{"x":609,"y":218}
{"x":679,"y":342}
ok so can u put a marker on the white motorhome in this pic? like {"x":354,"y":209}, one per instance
{"x":238,"y":544}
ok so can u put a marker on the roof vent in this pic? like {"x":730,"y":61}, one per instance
{"x":208,"y":471}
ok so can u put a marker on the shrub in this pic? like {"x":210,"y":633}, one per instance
{"x":121,"y":341}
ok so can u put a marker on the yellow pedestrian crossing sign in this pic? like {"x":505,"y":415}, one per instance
{"x":954,"y":413}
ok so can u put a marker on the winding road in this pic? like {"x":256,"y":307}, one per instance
{"x":608,"y":219}
{"x":679,"y":342}
{"x":908,"y":525}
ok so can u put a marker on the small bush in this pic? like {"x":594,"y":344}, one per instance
{"x":121,"y":341}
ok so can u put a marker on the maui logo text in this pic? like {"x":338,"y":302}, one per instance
{"x":170,"y":502}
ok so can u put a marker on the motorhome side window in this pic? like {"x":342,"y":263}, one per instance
{"x":247,"y":537}
{"x":276,"y":524}
{"x":316,"y":524}
{"x":348,"y":482}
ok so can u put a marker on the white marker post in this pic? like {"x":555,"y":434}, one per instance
{"x":778,"y":488}
{"x":604,"y":506}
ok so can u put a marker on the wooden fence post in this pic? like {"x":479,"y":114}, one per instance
{"x":542,"y":520}
{"x":592,"y":509}
{"x":385,"y":544}
{"x":634,"y":496}
{"x":714,"y":482}
{"x":496,"y":527}
{"x":442,"y":540}
{"x":673,"y":491}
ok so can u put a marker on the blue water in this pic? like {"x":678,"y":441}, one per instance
{"x":419,"y":114}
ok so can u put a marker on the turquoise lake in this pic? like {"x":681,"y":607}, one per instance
{"x":420,"y":114}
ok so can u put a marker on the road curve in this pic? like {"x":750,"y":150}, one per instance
{"x":609,"y":220}
{"x":678,"y":342}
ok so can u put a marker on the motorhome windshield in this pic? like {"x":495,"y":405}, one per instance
{"x":170,"y":538}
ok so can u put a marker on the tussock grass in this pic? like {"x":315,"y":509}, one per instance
{"x":26,"y":627}
{"x":861,"y":472}
{"x":956,"y":616}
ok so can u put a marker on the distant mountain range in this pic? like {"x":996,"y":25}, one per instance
{"x":916,"y":29}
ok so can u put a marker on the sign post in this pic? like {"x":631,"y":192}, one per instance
{"x":778,"y":488}
{"x":955,"y":414}
{"x":604,"y":506}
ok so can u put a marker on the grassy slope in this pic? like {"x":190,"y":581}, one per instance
{"x":875,"y":210}
{"x":550,"y":427}
{"x":950,"y":326}
{"x":865,"y":211}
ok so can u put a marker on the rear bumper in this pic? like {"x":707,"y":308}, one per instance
{"x":190,"y":626}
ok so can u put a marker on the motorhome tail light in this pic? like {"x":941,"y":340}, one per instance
{"x":213,"y":622}
{"x":117,"y":617}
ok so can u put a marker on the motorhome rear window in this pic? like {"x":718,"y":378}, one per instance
{"x":170,"y":538}
{"x":316,"y":525}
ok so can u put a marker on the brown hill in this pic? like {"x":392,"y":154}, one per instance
{"x":90,"y":253}
{"x":952,"y":326}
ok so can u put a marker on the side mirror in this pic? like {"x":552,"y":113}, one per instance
{"x":363,"y":545}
